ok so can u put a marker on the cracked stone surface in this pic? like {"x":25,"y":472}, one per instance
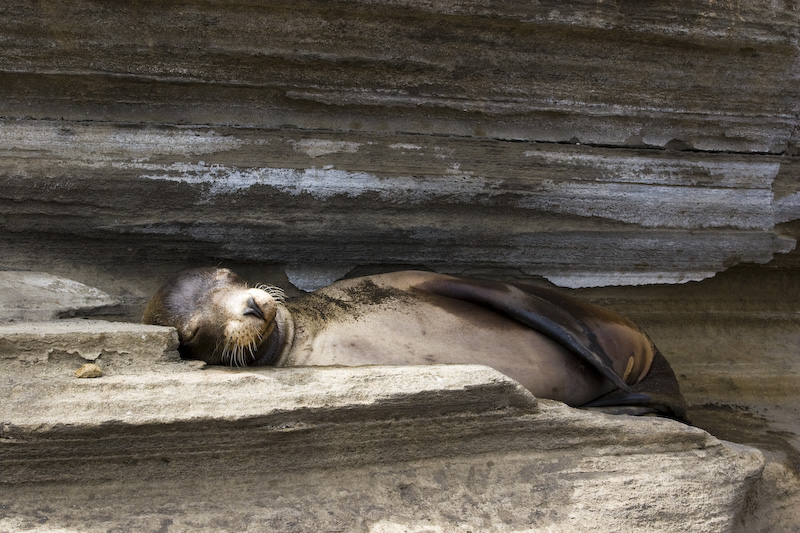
{"x":156,"y":441}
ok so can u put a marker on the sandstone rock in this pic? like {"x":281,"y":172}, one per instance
{"x":360,"y":449}
{"x":591,"y":143}
{"x":734,"y":342}
{"x":42,"y":296}
{"x":578,"y":215}
{"x":584,"y":144}
{"x":586,"y":72}
{"x":43,"y":347}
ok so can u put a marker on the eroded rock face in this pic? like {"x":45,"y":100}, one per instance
{"x":579,"y":216}
{"x":462,"y":445}
{"x":591,"y":144}
{"x":27,"y":296}
{"x":361,"y":449}
{"x":587,"y":144}
{"x":46,"y":347}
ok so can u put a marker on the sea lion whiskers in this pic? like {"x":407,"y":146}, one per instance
{"x":251,"y":352}
{"x":241,"y":349}
{"x":240,"y":355}
{"x":231,"y":352}
{"x":237,"y":353}
{"x":217,"y":346}
{"x":277,"y":293}
{"x":226,"y":352}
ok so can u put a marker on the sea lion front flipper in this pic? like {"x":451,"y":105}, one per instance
{"x":533,"y":311}
{"x":657,"y":393}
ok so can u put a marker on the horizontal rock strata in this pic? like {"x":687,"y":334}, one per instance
{"x":590,"y":144}
{"x":580,"y":216}
{"x":711,"y":76}
{"x":38,"y":347}
{"x":42,"y":296}
{"x":359,"y":449}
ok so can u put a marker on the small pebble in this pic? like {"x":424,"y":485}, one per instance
{"x":89,"y":370}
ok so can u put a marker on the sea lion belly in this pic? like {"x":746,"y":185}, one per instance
{"x":409,"y":327}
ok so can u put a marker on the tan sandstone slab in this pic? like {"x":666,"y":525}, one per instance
{"x":434,"y":448}
{"x":50,"y":346}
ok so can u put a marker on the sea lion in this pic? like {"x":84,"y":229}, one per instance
{"x":556,"y":346}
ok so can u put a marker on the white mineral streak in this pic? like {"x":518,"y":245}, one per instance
{"x":323,"y":183}
{"x":631,"y":190}
{"x":667,"y":170}
{"x":405,"y":146}
{"x":136,"y":144}
{"x":581,"y":280}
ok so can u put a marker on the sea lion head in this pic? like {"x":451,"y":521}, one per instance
{"x":220,"y":320}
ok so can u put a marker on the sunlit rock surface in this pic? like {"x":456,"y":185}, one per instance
{"x":39,"y":296}
{"x":359,"y":449}
{"x":156,"y":440}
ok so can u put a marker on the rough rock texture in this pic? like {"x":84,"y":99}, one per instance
{"x":156,"y":443}
{"x":734,"y":342}
{"x":42,"y":296}
{"x":46,"y":347}
{"x":593,"y":144}
{"x":358,"y":449}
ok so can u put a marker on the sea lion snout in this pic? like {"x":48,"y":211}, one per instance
{"x":253,"y":309}
{"x":241,"y":303}
{"x":248,"y":316}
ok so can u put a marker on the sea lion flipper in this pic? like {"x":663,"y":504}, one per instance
{"x":533,"y":311}
{"x":657,"y":393}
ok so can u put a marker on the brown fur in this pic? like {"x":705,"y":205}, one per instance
{"x":555,"y":346}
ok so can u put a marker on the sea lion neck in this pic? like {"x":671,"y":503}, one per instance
{"x":302,"y":324}
{"x":279,"y":343}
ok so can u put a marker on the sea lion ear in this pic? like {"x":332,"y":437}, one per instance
{"x":533,"y":311}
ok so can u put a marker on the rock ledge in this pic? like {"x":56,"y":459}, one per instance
{"x":367,"y":449}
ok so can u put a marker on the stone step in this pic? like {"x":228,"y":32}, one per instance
{"x":381,"y":448}
{"x":62,"y":346}
{"x":368,"y":448}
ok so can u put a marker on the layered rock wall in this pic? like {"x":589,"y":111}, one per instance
{"x":157,"y":443}
{"x":593,"y":144}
